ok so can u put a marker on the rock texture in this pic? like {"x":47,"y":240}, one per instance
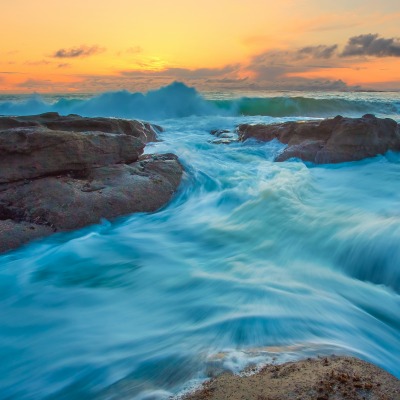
{"x":27,"y":153}
{"x":74,"y":123}
{"x":56,"y":180}
{"x":224,"y":136}
{"x":328,"y":378}
{"x":329,"y":141}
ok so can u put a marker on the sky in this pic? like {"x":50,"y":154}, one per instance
{"x":95,"y":46}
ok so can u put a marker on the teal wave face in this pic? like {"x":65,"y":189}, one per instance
{"x":306,"y":107}
{"x":179,"y":101}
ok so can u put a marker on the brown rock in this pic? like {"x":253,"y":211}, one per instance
{"x":14,"y":234}
{"x":53,"y":180}
{"x":32,"y":152}
{"x":330,"y":378}
{"x":329,"y":141}
{"x":74,"y":123}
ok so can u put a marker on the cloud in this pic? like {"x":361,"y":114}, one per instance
{"x":78,"y":52}
{"x":273,"y":65}
{"x":201,"y":73}
{"x":283,"y":69}
{"x":185,"y":73}
{"x":321,"y":51}
{"x":35,"y":84}
{"x":63,"y":65}
{"x":40,"y":62}
{"x":295,"y":57}
{"x":372,"y":45}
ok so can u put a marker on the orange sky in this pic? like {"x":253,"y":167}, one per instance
{"x":85,"y":46}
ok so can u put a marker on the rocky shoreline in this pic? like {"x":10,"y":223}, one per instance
{"x":328,"y":141}
{"x":325,"y":378}
{"x":63,"y":173}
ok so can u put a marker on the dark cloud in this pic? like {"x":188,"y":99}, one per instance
{"x":63,"y":65}
{"x":321,"y":51}
{"x":78,"y":52}
{"x":288,"y":57}
{"x":372,"y":45}
{"x":282,"y":69}
{"x":275,"y":65}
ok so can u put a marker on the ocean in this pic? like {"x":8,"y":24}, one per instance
{"x":252,"y":262}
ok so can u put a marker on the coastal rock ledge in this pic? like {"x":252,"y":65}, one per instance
{"x":326,"y":378}
{"x":63,"y":173}
{"x":328,"y":141}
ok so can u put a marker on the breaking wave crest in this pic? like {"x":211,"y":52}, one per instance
{"x":178,"y":100}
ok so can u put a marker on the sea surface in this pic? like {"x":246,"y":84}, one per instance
{"x":252,"y":262}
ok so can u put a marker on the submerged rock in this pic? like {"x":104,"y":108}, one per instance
{"x":339,"y":378}
{"x":59,"y":180}
{"x":329,"y":141}
{"x":224,"y":136}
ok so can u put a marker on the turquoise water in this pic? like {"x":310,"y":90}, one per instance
{"x":252,"y":261}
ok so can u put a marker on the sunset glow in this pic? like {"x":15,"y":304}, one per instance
{"x":93,"y":46}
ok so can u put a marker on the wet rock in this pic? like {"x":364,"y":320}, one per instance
{"x":224,"y":136}
{"x":14,"y":234}
{"x":221,"y":132}
{"x":329,"y":141}
{"x":55,"y":180}
{"x":32,"y":152}
{"x":328,"y":378}
{"x":74,"y":123}
{"x":224,"y":141}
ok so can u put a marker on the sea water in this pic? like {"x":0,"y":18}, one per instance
{"x":251,"y":262}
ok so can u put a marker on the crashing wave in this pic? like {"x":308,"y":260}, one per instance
{"x":178,"y":100}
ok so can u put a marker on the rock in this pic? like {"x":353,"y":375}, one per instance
{"x":14,"y":234}
{"x":32,"y":152}
{"x":339,"y":378}
{"x":74,"y":123}
{"x":224,"y":136}
{"x":329,"y":141}
{"x":221,"y":132}
{"x":223,"y":141}
{"x":54,"y":180}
